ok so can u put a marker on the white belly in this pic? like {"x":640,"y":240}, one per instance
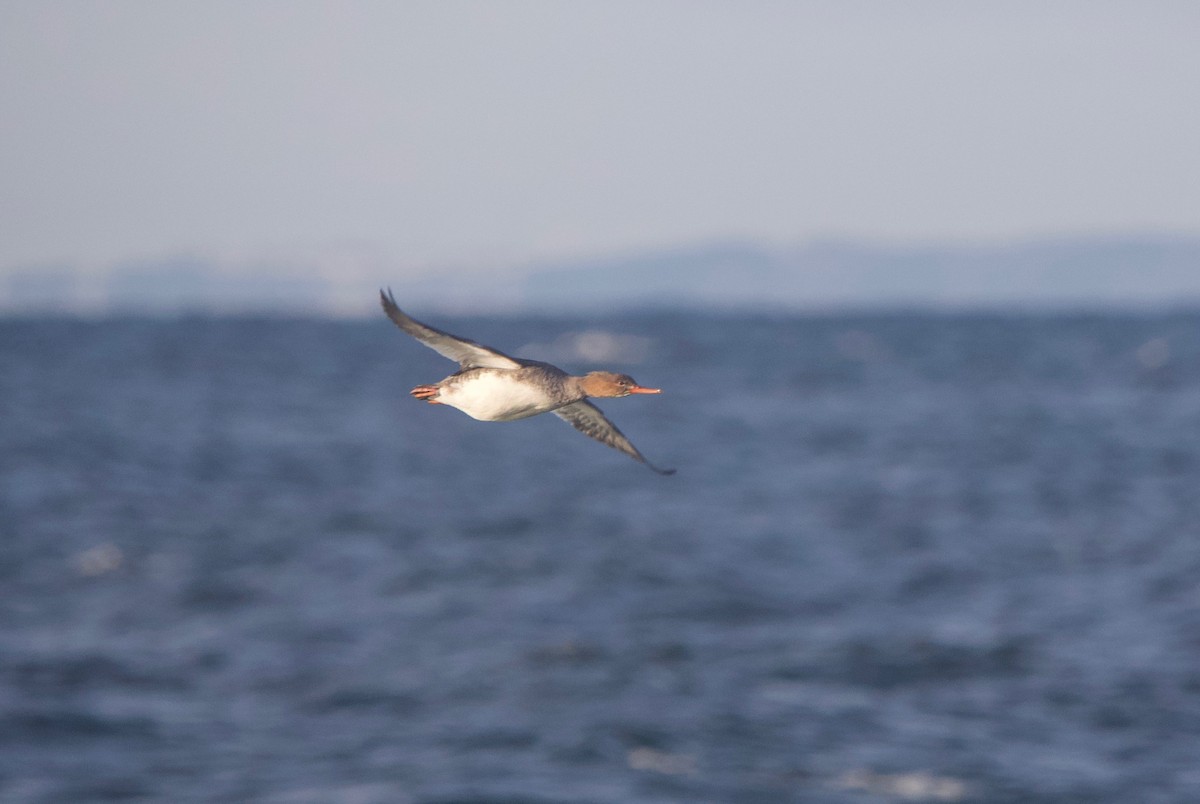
{"x":496,"y":397}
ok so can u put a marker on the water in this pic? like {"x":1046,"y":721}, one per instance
{"x":906,"y":557}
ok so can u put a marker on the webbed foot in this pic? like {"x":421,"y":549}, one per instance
{"x":427,"y":392}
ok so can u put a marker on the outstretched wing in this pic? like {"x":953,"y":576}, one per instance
{"x":467,"y":354}
{"x":587,"y":419}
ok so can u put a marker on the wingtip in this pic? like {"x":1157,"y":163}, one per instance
{"x":663,"y":472}
{"x":387,"y":299}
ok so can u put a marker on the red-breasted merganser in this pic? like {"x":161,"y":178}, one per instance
{"x":493,"y":387}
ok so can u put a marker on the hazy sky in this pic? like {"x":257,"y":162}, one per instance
{"x":442,"y":132}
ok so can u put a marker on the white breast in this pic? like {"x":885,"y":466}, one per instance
{"x":496,"y":397}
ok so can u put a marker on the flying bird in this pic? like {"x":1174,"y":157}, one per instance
{"x":491,"y":386}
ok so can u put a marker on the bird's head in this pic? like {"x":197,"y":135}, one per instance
{"x":610,"y":384}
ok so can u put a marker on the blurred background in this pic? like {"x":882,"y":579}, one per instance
{"x":296,"y":155}
{"x":921,"y":284}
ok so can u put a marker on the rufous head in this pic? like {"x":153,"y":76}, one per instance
{"x":610,"y":384}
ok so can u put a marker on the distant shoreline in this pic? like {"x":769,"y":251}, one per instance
{"x":1132,"y":272}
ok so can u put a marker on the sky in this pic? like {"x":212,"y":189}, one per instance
{"x":458,"y":133}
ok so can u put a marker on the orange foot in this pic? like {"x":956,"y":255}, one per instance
{"x":427,"y":392}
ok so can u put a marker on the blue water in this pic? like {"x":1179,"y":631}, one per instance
{"x":906,"y":557}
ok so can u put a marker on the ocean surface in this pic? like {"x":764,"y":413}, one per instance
{"x":906,"y":557}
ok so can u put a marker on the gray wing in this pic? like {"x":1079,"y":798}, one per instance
{"x":467,"y":354}
{"x":587,"y":419}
